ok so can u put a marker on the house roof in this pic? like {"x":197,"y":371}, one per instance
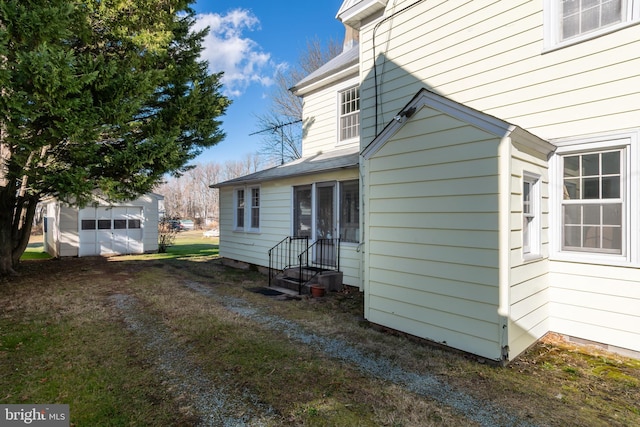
{"x":352,"y":12}
{"x":322,"y":162}
{"x":343,"y":65}
{"x":476,"y":118}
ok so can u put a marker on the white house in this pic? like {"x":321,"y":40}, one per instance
{"x":315,"y":197}
{"x":499,"y":157}
{"x":102,"y":228}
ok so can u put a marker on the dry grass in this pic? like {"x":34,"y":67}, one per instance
{"x":62,"y":340}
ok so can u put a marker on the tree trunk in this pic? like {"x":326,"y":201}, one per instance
{"x":24,"y":224}
{"x":6,"y":225}
{"x":16,"y":219}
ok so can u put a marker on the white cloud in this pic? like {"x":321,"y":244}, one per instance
{"x":227,"y":49}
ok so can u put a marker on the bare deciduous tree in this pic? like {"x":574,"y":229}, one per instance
{"x":189,"y":196}
{"x":281,"y":125}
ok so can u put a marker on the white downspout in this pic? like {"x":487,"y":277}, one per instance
{"x":504,"y":232}
{"x":362,"y":247}
{"x":504,"y":229}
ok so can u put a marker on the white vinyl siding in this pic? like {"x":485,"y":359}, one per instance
{"x":529,"y":279}
{"x":496,"y":57}
{"x":276,"y":222}
{"x":432,"y":247}
{"x":487,"y":55}
{"x":321,"y":117}
{"x":251,"y":247}
{"x":595,"y":302}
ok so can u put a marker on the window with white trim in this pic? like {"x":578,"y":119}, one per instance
{"x":594,"y":201}
{"x":239,"y":209}
{"x":575,"y":20}
{"x":349,"y":108}
{"x":255,"y":208}
{"x":531,"y":228}
{"x":350,"y":211}
{"x":247,"y":209}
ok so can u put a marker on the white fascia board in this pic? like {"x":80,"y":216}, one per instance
{"x":346,"y":73}
{"x":352,"y":14}
{"x":466,"y":114}
{"x":523,"y":138}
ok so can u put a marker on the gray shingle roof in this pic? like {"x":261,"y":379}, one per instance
{"x":340,"y":62}
{"x":321,"y":162}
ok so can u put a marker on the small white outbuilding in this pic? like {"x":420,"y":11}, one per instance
{"x":102,"y":228}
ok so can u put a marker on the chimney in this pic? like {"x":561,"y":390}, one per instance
{"x":351,"y":38}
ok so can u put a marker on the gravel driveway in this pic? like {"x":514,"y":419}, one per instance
{"x":216,"y":408}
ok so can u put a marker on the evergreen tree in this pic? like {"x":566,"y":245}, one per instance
{"x":107,"y":95}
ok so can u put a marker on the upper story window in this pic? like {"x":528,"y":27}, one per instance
{"x":349,"y":121}
{"x":571,"y":21}
{"x":583,"y":16}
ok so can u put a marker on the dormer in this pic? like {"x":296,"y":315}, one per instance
{"x":331,"y":111}
{"x":353,"y":13}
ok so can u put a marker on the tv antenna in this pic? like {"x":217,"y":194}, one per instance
{"x":274,"y":129}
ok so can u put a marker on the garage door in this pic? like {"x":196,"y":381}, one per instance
{"x":110,"y":231}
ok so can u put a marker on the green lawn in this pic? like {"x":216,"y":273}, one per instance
{"x":35,"y":250}
{"x":129,"y":340}
{"x":188,"y":244}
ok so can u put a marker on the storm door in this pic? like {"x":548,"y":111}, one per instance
{"x":302,"y":218}
{"x":326,"y":224}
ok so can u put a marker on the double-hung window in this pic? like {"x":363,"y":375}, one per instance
{"x":255,"y":208}
{"x":349,"y":107}
{"x":247,"y":209}
{"x":531,"y":228}
{"x":575,"y":20}
{"x":350,"y":211}
{"x":593,"y":202}
{"x":239,"y":209}
{"x":595,"y":199}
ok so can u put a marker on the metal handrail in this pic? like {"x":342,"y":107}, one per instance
{"x":325,"y":256}
{"x":285,"y":252}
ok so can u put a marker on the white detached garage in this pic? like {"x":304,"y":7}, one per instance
{"x":102,"y":228}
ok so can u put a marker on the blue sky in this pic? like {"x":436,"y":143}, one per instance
{"x":249,"y":41}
